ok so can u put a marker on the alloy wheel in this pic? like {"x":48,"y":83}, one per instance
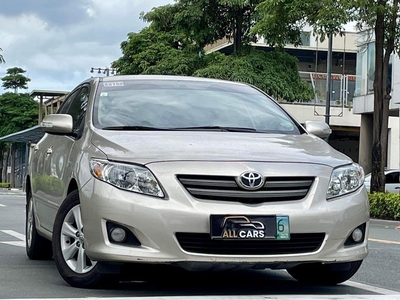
{"x":72,"y":243}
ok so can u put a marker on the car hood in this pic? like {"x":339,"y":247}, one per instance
{"x":146,"y":147}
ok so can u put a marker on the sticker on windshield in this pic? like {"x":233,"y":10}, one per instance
{"x":112,"y":84}
{"x":103,"y":94}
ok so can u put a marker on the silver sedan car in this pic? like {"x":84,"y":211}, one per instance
{"x":194,"y":173}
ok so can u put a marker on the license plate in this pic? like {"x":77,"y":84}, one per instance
{"x":237,"y":227}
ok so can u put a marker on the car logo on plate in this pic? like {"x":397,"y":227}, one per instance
{"x":250,"y":180}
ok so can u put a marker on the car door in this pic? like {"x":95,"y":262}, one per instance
{"x":54,"y":152}
{"x":392,"y":182}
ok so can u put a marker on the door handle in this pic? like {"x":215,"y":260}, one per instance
{"x":49,"y":151}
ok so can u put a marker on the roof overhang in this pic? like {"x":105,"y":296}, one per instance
{"x":30,"y":135}
{"x":47,"y":94}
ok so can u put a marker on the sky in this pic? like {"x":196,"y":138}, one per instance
{"x":58,"y":42}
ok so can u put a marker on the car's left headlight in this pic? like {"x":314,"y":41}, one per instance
{"x":345,"y":180}
{"x":127,"y":177}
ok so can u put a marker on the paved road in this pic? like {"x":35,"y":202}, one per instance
{"x":23,"y":278}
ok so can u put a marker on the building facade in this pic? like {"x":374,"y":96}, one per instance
{"x":364,"y":102}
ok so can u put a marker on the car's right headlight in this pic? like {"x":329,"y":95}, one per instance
{"x":128,"y":177}
{"x":345,"y":180}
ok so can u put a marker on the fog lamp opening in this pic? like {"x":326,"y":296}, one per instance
{"x":118,"y":234}
{"x":357,"y":235}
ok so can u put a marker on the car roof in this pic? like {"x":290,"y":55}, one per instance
{"x":167,"y":77}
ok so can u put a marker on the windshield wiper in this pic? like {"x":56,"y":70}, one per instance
{"x":195,"y":128}
{"x":135,"y":127}
{"x":218,"y":128}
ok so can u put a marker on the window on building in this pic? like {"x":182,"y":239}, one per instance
{"x":370,"y":67}
{"x":365,"y":69}
{"x":360,"y":67}
{"x":305,"y":38}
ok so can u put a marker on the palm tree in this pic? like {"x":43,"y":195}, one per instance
{"x":1,"y":58}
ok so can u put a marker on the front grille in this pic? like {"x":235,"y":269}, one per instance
{"x":225,"y":188}
{"x":298,"y":243}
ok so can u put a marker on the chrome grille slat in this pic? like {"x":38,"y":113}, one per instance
{"x":218,"y":183}
{"x":288,"y":184}
{"x":225,"y":188}
{"x":247,"y":194}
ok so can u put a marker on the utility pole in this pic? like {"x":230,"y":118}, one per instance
{"x":328,"y":80}
{"x":105,"y":70}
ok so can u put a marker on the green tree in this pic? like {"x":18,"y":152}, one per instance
{"x":153,"y":51}
{"x":15,"y":79}
{"x":169,"y":46}
{"x":17,"y":112}
{"x":280,"y":80}
{"x":282,"y":21}
{"x":206,"y":21}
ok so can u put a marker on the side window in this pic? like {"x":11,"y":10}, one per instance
{"x":77,"y":110}
{"x":67,"y":102}
{"x":392,"y":177}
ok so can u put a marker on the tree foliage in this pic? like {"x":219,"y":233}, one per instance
{"x":153,"y":51}
{"x":261,"y":69}
{"x":204,"y":22}
{"x":173,"y":45}
{"x":15,"y":79}
{"x":282,"y":21}
{"x":17,"y":112}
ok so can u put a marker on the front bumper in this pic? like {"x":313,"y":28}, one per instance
{"x":156,"y":221}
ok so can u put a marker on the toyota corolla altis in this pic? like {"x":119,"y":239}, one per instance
{"x":190,"y":172}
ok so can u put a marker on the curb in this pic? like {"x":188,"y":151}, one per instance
{"x":385,"y":222}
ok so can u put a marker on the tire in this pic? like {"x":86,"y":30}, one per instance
{"x":324,"y":274}
{"x":68,"y":247}
{"x":37,"y":247}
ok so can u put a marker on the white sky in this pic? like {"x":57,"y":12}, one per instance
{"x":57,"y":42}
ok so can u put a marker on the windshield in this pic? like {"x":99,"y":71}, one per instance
{"x":187,"y":105}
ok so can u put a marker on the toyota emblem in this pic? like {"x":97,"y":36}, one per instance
{"x":250,"y":180}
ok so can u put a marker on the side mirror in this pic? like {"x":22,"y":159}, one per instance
{"x":57,"y":124}
{"x":320,"y":129}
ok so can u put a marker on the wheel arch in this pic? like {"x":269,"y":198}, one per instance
{"x":73,"y":185}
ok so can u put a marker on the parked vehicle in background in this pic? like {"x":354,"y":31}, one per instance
{"x":195,"y":173}
{"x":392,"y":181}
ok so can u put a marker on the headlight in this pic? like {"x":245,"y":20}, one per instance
{"x":345,"y":180}
{"x":127,"y":177}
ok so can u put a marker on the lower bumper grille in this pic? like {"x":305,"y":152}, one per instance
{"x":298,"y":243}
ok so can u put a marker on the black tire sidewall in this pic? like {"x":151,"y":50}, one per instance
{"x":40,"y":247}
{"x":325,"y":274}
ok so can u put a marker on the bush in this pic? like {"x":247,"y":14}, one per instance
{"x":385,"y":206}
{"x":4,"y":185}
